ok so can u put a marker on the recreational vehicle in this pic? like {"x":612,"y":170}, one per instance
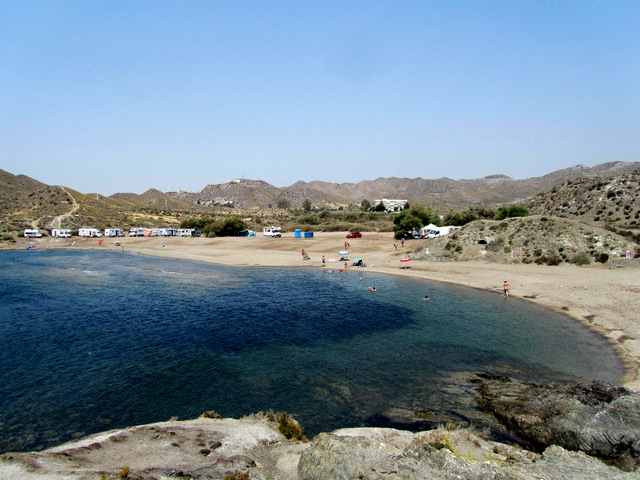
{"x":185,"y":232}
{"x":32,"y":233}
{"x":61,"y":233}
{"x":168,"y":232}
{"x":89,"y":232}
{"x":151,"y":232}
{"x":137,"y":232}
{"x":113,"y":232}
{"x":271,"y":232}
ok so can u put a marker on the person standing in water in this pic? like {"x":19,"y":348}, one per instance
{"x":505,"y":288}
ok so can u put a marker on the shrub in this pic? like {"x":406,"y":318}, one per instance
{"x":290,"y":428}
{"x":581,"y":259}
{"x":7,"y":237}
{"x":211,"y":414}
{"x":602,"y":257}
{"x":511,"y":211}
{"x":551,"y":260}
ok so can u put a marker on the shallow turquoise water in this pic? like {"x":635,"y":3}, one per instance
{"x":98,"y":340}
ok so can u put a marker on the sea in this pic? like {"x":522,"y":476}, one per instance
{"x":93,"y":341}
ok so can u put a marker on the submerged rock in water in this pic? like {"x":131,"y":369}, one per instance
{"x":593,"y":417}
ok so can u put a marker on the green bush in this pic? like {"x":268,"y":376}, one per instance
{"x":582,"y":258}
{"x":602,"y":257}
{"x":551,"y":260}
{"x":511,"y":211}
{"x":7,"y":237}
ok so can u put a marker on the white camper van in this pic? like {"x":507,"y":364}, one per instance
{"x":89,"y":232}
{"x":32,"y":233}
{"x":113,"y":232}
{"x":61,"y":233}
{"x":137,"y":232}
{"x":271,"y":232}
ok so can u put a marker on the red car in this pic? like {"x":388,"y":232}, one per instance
{"x":354,"y":235}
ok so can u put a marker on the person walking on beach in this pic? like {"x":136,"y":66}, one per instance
{"x":395,"y":244}
{"x":323,"y":261}
{"x":505,"y":288}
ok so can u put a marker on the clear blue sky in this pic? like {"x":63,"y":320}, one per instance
{"x":123,"y":96}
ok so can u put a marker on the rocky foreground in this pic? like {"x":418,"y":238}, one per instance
{"x":594,"y":417}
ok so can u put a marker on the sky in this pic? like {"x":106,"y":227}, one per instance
{"x":123,"y":96}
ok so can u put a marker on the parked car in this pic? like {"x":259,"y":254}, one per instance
{"x":354,"y":235}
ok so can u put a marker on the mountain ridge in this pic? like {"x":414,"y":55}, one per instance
{"x":444,"y":192}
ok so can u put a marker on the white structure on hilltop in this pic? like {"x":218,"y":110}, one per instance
{"x":392,"y":205}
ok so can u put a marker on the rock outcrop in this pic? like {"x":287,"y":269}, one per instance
{"x":595,"y":418}
{"x":253,"y":448}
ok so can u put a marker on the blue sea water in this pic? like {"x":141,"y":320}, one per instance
{"x":91,"y":341}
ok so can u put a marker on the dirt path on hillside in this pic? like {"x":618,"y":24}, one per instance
{"x":57,"y":221}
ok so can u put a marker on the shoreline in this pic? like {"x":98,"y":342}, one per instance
{"x":603,"y":297}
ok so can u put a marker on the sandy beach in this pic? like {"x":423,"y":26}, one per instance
{"x":606,"y":297}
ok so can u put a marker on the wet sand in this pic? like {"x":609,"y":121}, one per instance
{"x":606,"y":297}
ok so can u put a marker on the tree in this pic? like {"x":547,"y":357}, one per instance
{"x":283,"y":203}
{"x":230,"y":227}
{"x":412,"y":219}
{"x":365,"y":205}
{"x":306,"y":205}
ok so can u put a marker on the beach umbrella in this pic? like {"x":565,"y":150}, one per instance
{"x":343,"y":253}
{"x":405,"y":259}
{"x":100,"y":242}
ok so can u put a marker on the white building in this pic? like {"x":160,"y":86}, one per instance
{"x":392,"y":205}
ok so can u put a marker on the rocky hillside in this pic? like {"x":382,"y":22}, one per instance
{"x":540,"y":239}
{"x":611,"y":202}
{"x":26,"y":203}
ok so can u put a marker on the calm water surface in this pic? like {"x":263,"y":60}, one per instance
{"x":91,"y":341}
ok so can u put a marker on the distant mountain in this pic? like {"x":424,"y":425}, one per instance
{"x":25,"y":202}
{"x":442,"y":193}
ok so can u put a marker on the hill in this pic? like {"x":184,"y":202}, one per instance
{"x":27,"y":203}
{"x":534,"y":239}
{"x":442,"y":193}
{"x":604,"y":195}
{"x":611,"y":202}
